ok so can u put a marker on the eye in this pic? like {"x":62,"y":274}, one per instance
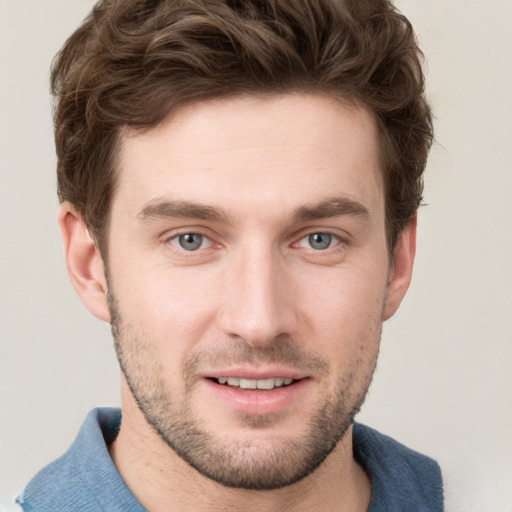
{"x":319,"y":241}
{"x":190,"y":241}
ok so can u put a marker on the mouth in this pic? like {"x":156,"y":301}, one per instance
{"x":257,"y":392}
{"x":254,"y":384}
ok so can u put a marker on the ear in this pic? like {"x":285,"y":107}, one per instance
{"x":84,"y":263}
{"x":401,"y":268}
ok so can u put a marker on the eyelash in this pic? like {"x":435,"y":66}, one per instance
{"x":176,"y":236}
{"x":334,"y":241}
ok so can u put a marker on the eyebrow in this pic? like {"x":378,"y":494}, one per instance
{"x":166,"y":208}
{"x":332,"y":207}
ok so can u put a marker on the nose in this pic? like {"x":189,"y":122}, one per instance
{"x":258,"y":302}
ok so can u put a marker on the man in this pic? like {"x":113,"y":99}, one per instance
{"x":239,"y":184}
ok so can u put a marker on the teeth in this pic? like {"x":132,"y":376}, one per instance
{"x":266,"y":383}
{"x":248,"y":384}
{"x":255,"y":384}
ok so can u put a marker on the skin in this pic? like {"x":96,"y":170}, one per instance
{"x":256,"y":298}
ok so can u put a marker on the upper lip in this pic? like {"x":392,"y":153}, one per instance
{"x":257,"y":374}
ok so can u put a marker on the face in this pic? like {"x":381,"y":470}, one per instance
{"x":248,"y":281}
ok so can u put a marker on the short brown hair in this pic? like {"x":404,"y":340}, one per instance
{"x":133,"y":61}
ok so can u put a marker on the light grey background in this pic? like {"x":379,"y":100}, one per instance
{"x":444,"y":382}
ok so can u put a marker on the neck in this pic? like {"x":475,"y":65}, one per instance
{"x":162,"y":481}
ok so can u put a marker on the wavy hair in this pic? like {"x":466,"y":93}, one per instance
{"x":132,"y":62}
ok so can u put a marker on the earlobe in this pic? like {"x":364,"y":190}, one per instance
{"x":84,"y":263}
{"x":401,"y":269}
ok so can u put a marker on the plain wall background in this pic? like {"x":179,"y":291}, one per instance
{"x":444,"y":382}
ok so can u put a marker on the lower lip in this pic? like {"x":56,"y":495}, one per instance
{"x":257,"y":402}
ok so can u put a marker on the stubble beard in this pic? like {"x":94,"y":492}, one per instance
{"x":249,"y":463}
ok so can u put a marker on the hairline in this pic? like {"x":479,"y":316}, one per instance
{"x":347,"y":100}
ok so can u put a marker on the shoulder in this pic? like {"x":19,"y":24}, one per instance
{"x":84,"y":479}
{"x":402,"y":479}
{"x":55,"y":487}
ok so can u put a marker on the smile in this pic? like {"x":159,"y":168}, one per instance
{"x":266,"y":384}
{"x":257,"y":394}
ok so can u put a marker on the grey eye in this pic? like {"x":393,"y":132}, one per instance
{"x":190,"y":241}
{"x":320,"y":241}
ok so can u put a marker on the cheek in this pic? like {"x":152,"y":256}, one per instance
{"x":347,"y":295}
{"x":344,"y":313}
{"x":169,"y":309}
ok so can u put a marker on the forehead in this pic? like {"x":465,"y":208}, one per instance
{"x":254,"y":151}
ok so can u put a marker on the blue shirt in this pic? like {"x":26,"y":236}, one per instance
{"x":85,"y":479}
